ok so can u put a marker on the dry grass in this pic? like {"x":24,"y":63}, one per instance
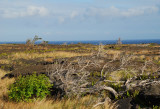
{"x":56,"y":54}
{"x":142,"y":57}
{"x":83,"y":103}
{"x":157,"y":58}
{"x":4,"y":84}
{"x":122,"y":75}
{"x":113,"y":52}
{"x":4,"y":61}
{"x":64,"y":104}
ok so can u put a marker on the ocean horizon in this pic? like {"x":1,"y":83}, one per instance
{"x":95,"y":42}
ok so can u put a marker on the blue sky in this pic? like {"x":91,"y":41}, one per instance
{"x":56,"y":20}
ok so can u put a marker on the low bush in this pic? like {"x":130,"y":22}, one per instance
{"x":30,"y":87}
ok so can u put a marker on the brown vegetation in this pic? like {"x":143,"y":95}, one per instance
{"x":81,"y":68}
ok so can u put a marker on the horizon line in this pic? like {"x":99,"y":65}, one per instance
{"x":85,"y":40}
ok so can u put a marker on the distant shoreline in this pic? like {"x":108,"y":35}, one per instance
{"x":94,"y":42}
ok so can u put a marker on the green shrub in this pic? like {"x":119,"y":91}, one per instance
{"x":156,"y":107}
{"x":30,"y":87}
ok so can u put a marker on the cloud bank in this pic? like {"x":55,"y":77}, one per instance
{"x":117,"y":12}
{"x":23,"y":12}
{"x":63,"y":14}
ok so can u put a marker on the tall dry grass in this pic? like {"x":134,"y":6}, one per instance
{"x":83,"y":103}
{"x":4,"y":83}
{"x":55,"y":54}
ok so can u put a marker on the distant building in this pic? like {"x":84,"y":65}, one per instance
{"x":119,"y":41}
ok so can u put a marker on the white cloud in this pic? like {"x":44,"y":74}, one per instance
{"x":86,"y":13}
{"x":23,"y":12}
{"x":74,"y":14}
{"x":140,"y":11}
{"x":66,"y":13}
{"x":113,"y":11}
{"x":33,"y":10}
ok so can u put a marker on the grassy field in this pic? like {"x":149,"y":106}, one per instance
{"x":14,"y":57}
{"x":21,"y":58}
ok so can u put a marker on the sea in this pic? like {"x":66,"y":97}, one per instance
{"x":95,"y":42}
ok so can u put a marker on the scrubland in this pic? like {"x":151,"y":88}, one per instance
{"x":113,"y":63}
